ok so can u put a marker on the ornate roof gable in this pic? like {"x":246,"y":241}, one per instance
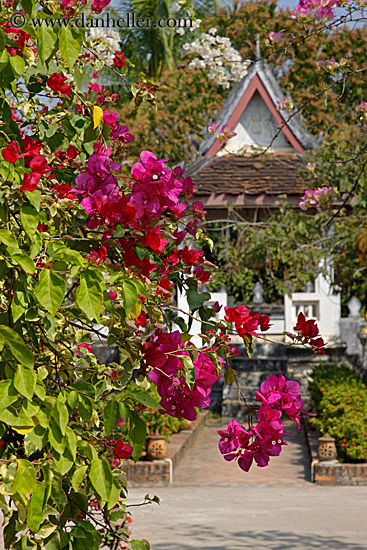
{"x":251,"y":110}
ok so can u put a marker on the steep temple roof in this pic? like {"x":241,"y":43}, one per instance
{"x":236,"y":172}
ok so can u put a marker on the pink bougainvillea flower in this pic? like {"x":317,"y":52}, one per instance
{"x":122,"y":450}
{"x":278,"y":393}
{"x":212,"y":128}
{"x":112,"y":295}
{"x":168,"y":373}
{"x":155,"y":190}
{"x":110,"y":118}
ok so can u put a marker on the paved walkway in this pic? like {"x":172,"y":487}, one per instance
{"x":205,"y":465}
{"x":213,"y":505}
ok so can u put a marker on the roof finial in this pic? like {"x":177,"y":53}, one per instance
{"x":257,"y":46}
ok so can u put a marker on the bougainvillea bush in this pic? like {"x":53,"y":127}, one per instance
{"x":91,"y":249}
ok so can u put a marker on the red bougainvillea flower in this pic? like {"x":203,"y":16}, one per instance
{"x":30,"y":182}
{"x":122,"y":450}
{"x":11,"y":152}
{"x":57,"y":84}
{"x":307,"y":331}
{"x":119,"y":60}
{"x":154,"y":240}
{"x":98,"y":5}
{"x":243,"y":321}
{"x":88,"y":347}
{"x":98,"y":257}
{"x":308,"y":328}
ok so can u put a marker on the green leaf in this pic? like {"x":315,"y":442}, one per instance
{"x":24,"y":479}
{"x":146,"y":399}
{"x":19,"y":305}
{"x":8,"y":238}
{"x":2,"y":40}
{"x":25,"y":262}
{"x":50,"y":290}
{"x":27,"y":5}
{"x":78,"y":477}
{"x":63,"y":414}
{"x":64,"y":462}
{"x":129,"y":295}
{"x":189,"y":368}
{"x":17,"y":64}
{"x":105,"y":485}
{"x":25,"y":380}
{"x":8,"y":394}
{"x":47,"y":39}
{"x":57,"y":441}
{"x":85,"y":407}
{"x":36,"y":507}
{"x":34,"y":198}
{"x":248,"y":339}
{"x":53,"y":542}
{"x":196,"y":299}
{"x":110,"y":416}
{"x":35,"y":439}
{"x":72,"y":442}
{"x":230,"y":376}
{"x":137,"y":544}
{"x":29,"y":220}
{"x":17,"y":346}
{"x":70,"y":43}
{"x":89,"y":297}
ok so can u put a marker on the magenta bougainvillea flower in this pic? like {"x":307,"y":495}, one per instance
{"x":164,"y":354}
{"x":265,"y":439}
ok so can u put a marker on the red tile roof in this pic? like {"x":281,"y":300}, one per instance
{"x":237,"y":175}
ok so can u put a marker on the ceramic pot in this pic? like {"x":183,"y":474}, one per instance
{"x":156,"y":448}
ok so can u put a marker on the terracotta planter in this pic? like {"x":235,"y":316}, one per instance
{"x":156,"y":448}
{"x":187,"y":425}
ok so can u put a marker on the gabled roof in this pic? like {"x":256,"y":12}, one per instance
{"x":259,"y":80}
{"x":245,"y":177}
{"x":247,"y":181}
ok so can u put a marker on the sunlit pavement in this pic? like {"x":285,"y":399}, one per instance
{"x":213,"y":505}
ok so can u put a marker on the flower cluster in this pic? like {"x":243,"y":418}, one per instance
{"x":331,"y":66}
{"x":245,"y":321}
{"x":106,"y":43}
{"x":285,"y":104}
{"x":265,"y":439}
{"x":318,"y":9}
{"x":21,"y":41}
{"x":166,"y":356}
{"x":217,"y":54}
{"x":225,"y":133}
{"x":322,"y":198}
{"x":360,"y":112}
{"x":307,"y":331}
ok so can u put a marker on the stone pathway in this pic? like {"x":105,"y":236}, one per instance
{"x":204,"y":465}
{"x":213,"y":505}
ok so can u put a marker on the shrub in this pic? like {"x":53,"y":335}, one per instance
{"x":341,"y":401}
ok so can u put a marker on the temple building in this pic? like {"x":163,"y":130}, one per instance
{"x":263,"y":161}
